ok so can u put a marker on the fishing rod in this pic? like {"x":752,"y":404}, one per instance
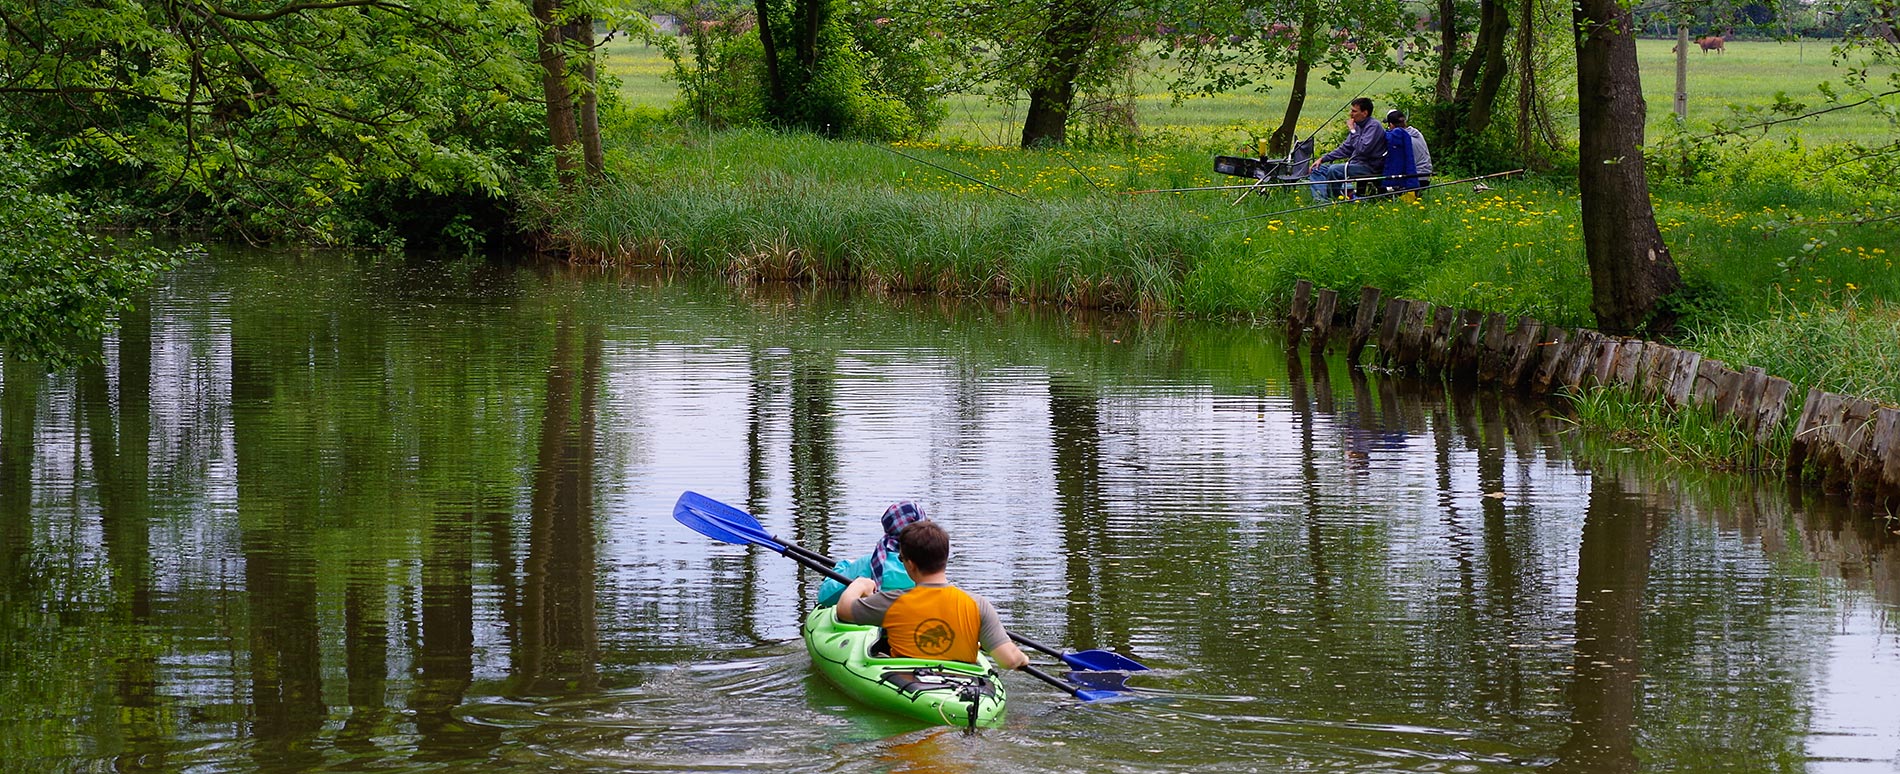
{"x":1085,"y":175}
{"x":1275,"y":185}
{"x":1394,"y":192}
{"x":951,"y":171}
{"x":1342,"y":108}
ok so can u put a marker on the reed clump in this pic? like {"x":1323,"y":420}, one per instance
{"x":1690,"y":435}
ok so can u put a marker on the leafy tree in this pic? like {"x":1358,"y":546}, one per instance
{"x":60,"y":285}
{"x":1232,"y":45}
{"x":264,"y":115}
{"x":1052,"y":50}
{"x":840,"y":69}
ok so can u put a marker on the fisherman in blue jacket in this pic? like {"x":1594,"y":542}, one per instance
{"x":881,"y":563}
{"x":1363,"y":152}
{"x":1401,"y":169}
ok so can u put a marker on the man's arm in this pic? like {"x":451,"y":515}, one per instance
{"x":848,"y":601}
{"x":995,"y":639}
{"x":1344,"y":149}
{"x":1010,"y":656}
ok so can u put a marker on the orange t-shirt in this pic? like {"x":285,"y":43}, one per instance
{"x":937,"y":621}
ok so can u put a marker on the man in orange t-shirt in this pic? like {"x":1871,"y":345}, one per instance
{"x":932,"y":619}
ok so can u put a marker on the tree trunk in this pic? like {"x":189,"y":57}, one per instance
{"x":581,"y":31}
{"x":1526,"y":81}
{"x":812,"y":12}
{"x":1447,"y":49}
{"x":1444,"y":114}
{"x":1047,"y":122}
{"x":1065,"y":44}
{"x":1631,"y":270}
{"x":1282,"y":139}
{"x":775,"y":81}
{"x":560,"y":113}
{"x":1484,"y":73}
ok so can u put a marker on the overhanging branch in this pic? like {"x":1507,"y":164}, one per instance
{"x":301,"y":7}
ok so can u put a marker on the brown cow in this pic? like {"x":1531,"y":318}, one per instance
{"x":1712,"y":43}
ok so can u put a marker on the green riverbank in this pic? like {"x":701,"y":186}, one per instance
{"x":1811,"y":303}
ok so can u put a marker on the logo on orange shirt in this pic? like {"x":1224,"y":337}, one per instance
{"x":934,"y":637}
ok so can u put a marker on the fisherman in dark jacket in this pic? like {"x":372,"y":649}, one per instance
{"x":1363,"y":153}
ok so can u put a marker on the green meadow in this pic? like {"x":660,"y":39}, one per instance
{"x":1776,"y":273}
{"x":1749,"y":73}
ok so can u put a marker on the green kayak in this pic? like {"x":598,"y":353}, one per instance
{"x":926,"y":689}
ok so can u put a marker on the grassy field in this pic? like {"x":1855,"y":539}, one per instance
{"x":1750,"y":73}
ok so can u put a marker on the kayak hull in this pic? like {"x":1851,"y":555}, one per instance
{"x":930,"y":690}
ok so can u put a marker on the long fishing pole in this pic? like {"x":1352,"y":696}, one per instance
{"x":1283,"y":184}
{"x":1342,"y":108}
{"x":1394,"y":192}
{"x":949,"y":170}
{"x":1085,"y":175}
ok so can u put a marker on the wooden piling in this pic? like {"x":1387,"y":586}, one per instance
{"x":1362,"y":320}
{"x":1464,"y":348}
{"x":1850,"y":441}
{"x":1581,"y":357}
{"x":1438,"y":348}
{"x":1845,"y":442}
{"x":1747,"y":396}
{"x":1681,"y":378}
{"x":1555,"y":355}
{"x":1523,"y":351}
{"x":1887,"y":451}
{"x":1296,"y":318}
{"x":1491,"y":349}
{"x":1389,"y":330}
{"x":1324,"y":306}
{"x":1412,"y":333}
{"x":1649,"y":371}
{"x":1873,"y":451}
{"x":1629,"y":355}
{"x":1731,"y":393}
{"x":1771,"y":408}
{"x":1806,"y":439}
{"x":1709,"y":375}
{"x":1600,"y":373}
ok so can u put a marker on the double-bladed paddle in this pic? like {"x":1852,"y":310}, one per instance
{"x":725,"y":523}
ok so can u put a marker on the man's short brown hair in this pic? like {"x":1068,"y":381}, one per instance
{"x":926,"y":545}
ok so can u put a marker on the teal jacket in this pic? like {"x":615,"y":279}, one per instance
{"x":895,"y":579}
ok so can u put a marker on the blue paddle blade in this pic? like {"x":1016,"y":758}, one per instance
{"x":1099,"y":681}
{"x":722,"y":522}
{"x":1102,"y":661}
{"x":1088,"y":695}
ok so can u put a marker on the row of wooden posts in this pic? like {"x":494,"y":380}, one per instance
{"x":1848,"y":444}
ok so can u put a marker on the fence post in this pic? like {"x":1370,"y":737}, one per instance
{"x":1296,"y":317}
{"x":1362,"y":319}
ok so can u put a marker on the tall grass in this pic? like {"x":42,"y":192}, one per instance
{"x":1851,"y":348}
{"x":1692,"y":436}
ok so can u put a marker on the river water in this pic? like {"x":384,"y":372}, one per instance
{"x":329,"y":513}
